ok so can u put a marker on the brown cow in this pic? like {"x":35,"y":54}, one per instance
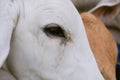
{"x":102,"y":45}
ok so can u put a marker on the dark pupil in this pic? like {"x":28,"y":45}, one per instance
{"x":55,"y":31}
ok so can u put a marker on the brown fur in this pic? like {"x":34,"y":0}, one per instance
{"x":102,"y":44}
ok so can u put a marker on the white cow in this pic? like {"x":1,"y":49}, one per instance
{"x":44,"y":40}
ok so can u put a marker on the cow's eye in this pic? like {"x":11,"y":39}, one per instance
{"x":54,"y":30}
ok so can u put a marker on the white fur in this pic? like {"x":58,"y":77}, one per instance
{"x":35,"y":56}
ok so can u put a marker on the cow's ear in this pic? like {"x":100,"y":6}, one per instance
{"x":107,"y":10}
{"x":5,"y":36}
{"x":7,"y":24}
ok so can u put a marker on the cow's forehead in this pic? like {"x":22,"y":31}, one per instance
{"x":55,"y":11}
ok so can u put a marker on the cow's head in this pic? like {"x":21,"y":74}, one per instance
{"x":48,"y":41}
